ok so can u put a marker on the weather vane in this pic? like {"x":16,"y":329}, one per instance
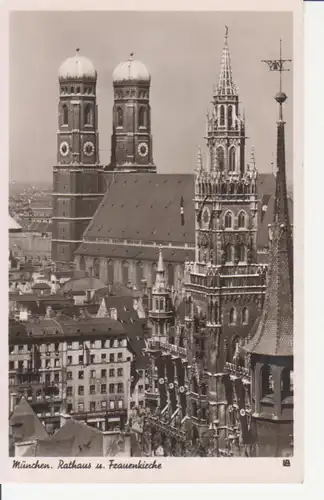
{"x":278,"y":65}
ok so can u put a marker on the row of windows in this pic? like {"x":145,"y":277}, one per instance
{"x":55,"y":348}
{"x":131,"y":93}
{"x":76,"y":90}
{"x":139,"y":271}
{"x":267,"y":382}
{"x":93,"y":358}
{"x":88,"y":114}
{"x":46,"y":363}
{"x":233,"y":253}
{"x":92,"y":389}
{"x":233,"y":316}
{"x":103,"y":404}
{"x":229,"y":218}
{"x":230,"y":116}
{"x":93,"y":374}
{"x":142,"y":117}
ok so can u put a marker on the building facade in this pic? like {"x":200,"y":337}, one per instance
{"x":76,"y":367}
{"x":198,"y":412}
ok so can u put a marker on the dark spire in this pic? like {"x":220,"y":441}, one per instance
{"x":273,"y":333}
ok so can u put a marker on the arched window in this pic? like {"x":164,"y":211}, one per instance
{"x":232,"y":159}
{"x":241,"y":220}
{"x":120,"y":118}
{"x":88,"y":116}
{"x":230,"y":117}
{"x":142,"y":117}
{"x":82,"y":263}
{"x":96,"y":268}
{"x":139,"y":273}
{"x":110,"y":271}
{"x":65,"y":115}
{"x":170,"y":274}
{"x":125,"y":270}
{"x":232,"y":316}
{"x":287,"y":387}
{"x":221,"y":116}
{"x":242,"y":255}
{"x":245,"y":316}
{"x":228,"y":220}
{"x":266,"y":381}
{"x":220,"y":158}
{"x":229,"y":253}
{"x":153,"y":273}
{"x":161,"y":304}
{"x":78,"y":90}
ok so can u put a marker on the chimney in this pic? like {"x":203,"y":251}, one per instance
{"x":64,"y":418}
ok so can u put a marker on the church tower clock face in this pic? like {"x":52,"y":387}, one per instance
{"x":64,"y":148}
{"x":142,"y":149}
{"x":88,"y":148}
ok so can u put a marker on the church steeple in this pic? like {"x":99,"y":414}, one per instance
{"x":271,"y":345}
{"x":226,"y":86}
{"x":131,"y":144}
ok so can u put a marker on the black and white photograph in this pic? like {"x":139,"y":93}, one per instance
{"x":151,"y":228}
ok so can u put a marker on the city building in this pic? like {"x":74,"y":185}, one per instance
{"x":76,"y":367}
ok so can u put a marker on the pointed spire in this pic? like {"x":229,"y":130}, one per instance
{"x":160,"y":282}
{"x":252,"y":162}
{"x":274,"y":332}
{"x":160,"y":267}
{"x":199,"y":160}
{"x":226,"y":86}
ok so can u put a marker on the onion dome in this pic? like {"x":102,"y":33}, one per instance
{"x":131,"y":71}
{"x":77,"y":68}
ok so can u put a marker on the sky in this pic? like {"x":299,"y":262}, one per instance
{"x":182,"y":51}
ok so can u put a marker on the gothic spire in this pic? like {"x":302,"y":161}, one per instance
{"x":274,"y":332}
{"x":199,"y":160}
{"x":160,"y":282}
{"x":226,"y":86}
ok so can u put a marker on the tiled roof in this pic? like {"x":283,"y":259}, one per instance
{"x":25,"y":424}
{"x":82,"y":284}
{"x":77,"y":439}
{"x":273,"y":333}
{"x":115,"y":290}
{"x":41,"y":286}
{"x":134,"y":207}
{"x":57,"y":328}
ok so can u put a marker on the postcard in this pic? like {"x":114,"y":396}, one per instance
{"x":155,"y":243}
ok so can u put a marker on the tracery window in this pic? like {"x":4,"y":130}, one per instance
{"x":232,"y":159}
{"x":228,"y":220}
{"x":267,"y":386}
{"x":241,"y":220}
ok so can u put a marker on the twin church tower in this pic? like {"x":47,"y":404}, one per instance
{"x":79,"y":180}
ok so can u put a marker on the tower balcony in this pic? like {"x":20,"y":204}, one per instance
{"x":162,"y":315}
{"x":235,"y":371}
